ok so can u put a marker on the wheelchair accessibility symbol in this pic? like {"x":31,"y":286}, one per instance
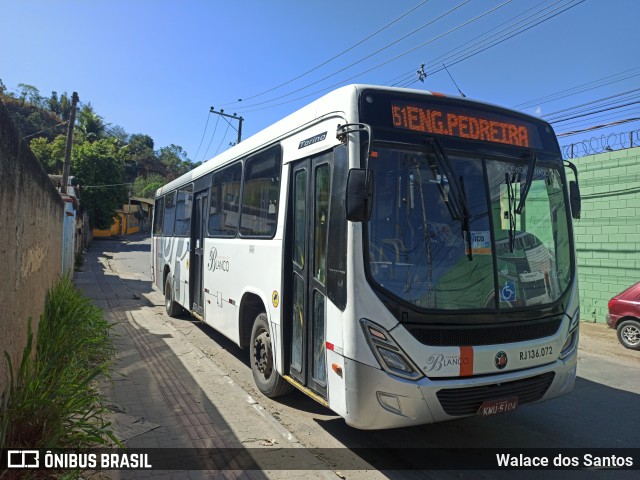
{"x":508,"y":291}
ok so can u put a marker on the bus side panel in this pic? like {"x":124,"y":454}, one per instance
{"x":233,"y":268}
{"x":156,"y":262}
{"x":171,"y":253}
{"x":336,"y":387}
{"x":180,"y":271}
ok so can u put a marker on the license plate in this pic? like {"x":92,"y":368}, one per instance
{"x":495,"y":407}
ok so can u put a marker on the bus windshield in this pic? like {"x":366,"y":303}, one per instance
{"x":423,"y":253}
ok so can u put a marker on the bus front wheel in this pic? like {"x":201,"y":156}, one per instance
{"x":172,"y":307}
{"x":268,"y":380}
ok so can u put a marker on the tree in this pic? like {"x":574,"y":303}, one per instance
{"x":31,"y":93}
{"x":90,"y":125}
{"x":53,"y":103}
{"x":95,"y":164}
{"x":50,"y":154}
{"x":139,"y":158}
{"x":146,"y":187}
{"x":119,"y":133}
{"x":176,"y":161}
{"x":65,"y":106}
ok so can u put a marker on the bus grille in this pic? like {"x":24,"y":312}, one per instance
{"x":467,"y":401}
{"x":456,"y":335}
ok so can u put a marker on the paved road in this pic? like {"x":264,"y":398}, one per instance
{"x":601,"y":412}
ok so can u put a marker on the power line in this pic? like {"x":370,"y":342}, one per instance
{"x":342,"y":82}
{"x":105,"y":186}
{"x":584,"y":122}
{"x":44,"y":130}
{"x":549,"y":98}
{"x":442,"y":58}
{"x":594,"y":112}
{"x":362,"y":59}
{"x":498,"y":42}
{"x":598,"y":127}
{"x":331,"y":59}
{"x":576,"y":107}
{"x":215,"y":128}
{"x":223,"y":139}
{"x":203,"y":134}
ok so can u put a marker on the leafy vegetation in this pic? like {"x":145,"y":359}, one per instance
{"x":107,"y":162}
{"x":52,"y":400}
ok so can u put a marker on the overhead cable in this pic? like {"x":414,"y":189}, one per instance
{"x":203,"y":134}
{"x":342,"y":82}
{"x":332,"y":58}
{"x":410,"y":76}
{"x":502,"y":40}
{"x":362,"y":59}
{"x":211,"y":139}
{"x":561,"y":94}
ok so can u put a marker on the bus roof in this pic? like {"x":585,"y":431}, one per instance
{"x":343,"y":100}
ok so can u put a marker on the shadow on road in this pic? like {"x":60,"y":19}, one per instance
{"x":151,"y":385}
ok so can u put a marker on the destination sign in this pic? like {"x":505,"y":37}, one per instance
{"x":464,"y":123}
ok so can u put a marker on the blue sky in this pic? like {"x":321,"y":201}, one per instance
{"x":156,"y":66}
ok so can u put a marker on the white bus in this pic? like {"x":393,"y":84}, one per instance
{"x":401,"y":256}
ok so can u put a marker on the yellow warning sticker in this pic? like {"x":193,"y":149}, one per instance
{"x":275,"y":299}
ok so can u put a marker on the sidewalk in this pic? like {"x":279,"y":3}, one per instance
{"x":167,"y":394}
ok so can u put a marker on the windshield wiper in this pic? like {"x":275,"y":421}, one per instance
{"x":527,"y":183}
{"x":466,"y":221}
{"x":459,"y":199}
{"x":511,"y":200}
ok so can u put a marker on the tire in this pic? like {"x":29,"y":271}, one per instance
{"x":267,"y":379}
{"x":629,"y":334}
{"x":172,"y":307}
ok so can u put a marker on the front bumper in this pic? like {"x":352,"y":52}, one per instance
{"x":378,"y":400}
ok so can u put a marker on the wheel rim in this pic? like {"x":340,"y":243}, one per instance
{"x":631,"y":334}
{"x":262,"y":354}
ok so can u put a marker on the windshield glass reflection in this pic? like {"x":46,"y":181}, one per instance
{"x":418,"y":250}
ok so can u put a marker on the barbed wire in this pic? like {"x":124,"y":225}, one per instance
{"x":603,"y":143}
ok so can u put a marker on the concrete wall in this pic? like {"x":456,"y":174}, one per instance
{"x":31,"y":213}
{"x":608,"y":234}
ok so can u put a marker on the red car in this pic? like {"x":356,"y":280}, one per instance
{"x":624,"y":316}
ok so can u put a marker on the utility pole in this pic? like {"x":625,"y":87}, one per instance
{"x":235,"y":117}
{"x":67,"y":153}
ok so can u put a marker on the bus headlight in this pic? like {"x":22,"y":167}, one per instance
{"x":571,"y":343}
{"x":390,"y":356}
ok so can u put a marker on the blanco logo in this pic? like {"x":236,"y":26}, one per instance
{"x":437,"y":362}
{"x":216,"y":263}
{"x":23,"y":459}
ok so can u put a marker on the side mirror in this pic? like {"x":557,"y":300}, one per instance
{"x":574,"y":198}
{"x":359,"y":195}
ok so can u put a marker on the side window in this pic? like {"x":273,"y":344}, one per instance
{"x":225,"y":201}
{"x":184,"y":204}
{"x":158,"y":216}
{"x":321,"y":222}
{"x":169,"y":213}
{"x":260,"y":194}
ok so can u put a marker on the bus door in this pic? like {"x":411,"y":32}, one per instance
{"x":196,"y":270}
{"x":308,"y":229}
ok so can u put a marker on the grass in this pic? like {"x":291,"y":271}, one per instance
{"x":52,"y":400}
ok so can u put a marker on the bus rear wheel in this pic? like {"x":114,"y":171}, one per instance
{"x":267,"y":379}
{"x":172,"y":307}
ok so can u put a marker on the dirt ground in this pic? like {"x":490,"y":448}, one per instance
{"x":599,"y":339}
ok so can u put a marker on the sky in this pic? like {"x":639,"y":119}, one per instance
{"x":157,"y":66}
